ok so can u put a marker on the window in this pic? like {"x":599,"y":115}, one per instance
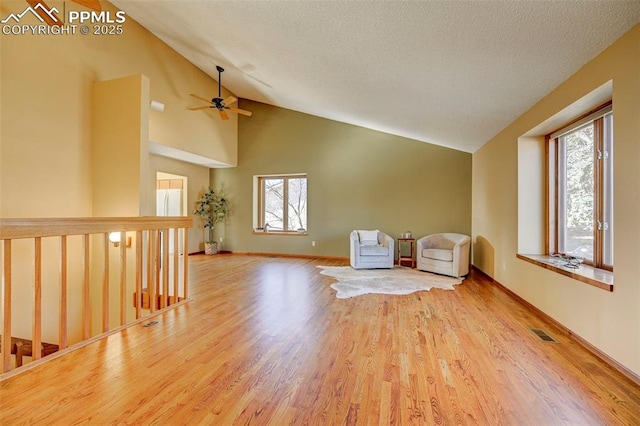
{"x":282,"y":203}
{"x":581,"y":189}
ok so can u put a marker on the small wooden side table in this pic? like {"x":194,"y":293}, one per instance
{"x":412,"y":255}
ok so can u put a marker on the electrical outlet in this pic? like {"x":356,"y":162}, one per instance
{"x":313,"y":243}
{"x":220,"y":239}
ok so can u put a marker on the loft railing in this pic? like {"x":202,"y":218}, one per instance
{"x":77,"y":257}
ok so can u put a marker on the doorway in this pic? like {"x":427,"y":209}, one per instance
{"x":171,"y":200}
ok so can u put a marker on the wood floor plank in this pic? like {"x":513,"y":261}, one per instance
{"x":265,"y":341}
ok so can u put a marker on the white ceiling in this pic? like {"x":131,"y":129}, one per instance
{"x":452,"y":73}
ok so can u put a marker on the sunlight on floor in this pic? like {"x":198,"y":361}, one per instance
{"x":282,"y":299}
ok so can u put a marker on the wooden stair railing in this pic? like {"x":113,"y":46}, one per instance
{"x":152,"y":272}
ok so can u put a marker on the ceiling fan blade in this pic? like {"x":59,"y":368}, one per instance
{"x":197,"y":108}
{"x":223,"y":115}
{"x":228,"y":101}
{"x":241,"y":111}
{"x":201,"y":98}
{"x":91,"y":4}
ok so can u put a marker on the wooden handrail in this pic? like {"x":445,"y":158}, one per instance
{"x":13,"y":229}
{"x":151,"y":271}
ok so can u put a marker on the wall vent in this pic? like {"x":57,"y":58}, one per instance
{"x":543,"y":335}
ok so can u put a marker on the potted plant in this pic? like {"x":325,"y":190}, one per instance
{"x":212,"y":209}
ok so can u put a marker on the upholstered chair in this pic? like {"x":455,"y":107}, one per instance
{"x":371,"y":250}
{"x":446,"y":254}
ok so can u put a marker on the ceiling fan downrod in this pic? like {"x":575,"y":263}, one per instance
{"x":220,"y":71}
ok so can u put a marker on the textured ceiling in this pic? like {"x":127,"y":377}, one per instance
{"x":452,"y":73}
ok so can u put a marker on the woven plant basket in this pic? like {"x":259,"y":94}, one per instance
{"x":211,"y":248}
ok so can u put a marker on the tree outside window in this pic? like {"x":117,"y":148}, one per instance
{"x":283,"y":203}
{"x":578,"y":191}
{"x":581,"y":188}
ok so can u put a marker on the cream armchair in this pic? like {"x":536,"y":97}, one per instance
{"x":446,"y":254}
{"x":371,"y":250}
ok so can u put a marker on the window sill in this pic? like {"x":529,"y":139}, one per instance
{"x":585,"y":273}
{"x":291,"y":233}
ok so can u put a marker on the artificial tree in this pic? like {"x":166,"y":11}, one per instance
{"x":212,"y":209}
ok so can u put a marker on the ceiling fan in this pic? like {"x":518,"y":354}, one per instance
{"x":220,"y":104}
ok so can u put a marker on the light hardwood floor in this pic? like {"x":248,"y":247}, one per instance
{"x":265,"y":341}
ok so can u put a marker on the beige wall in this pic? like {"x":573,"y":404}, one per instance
{"x":46,"y":139}
{"x":609,"y":321}
{"x":46,"y":111}
{"x":119,"y":141}
{"x":357,"y":179}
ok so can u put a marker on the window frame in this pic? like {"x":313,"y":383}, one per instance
{"x":553,"y":157}
{"x":260,"y":204}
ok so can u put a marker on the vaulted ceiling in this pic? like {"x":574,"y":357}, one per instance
{"x":452,"y":73}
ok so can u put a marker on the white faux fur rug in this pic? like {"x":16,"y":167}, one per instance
{"x":399,"y":280}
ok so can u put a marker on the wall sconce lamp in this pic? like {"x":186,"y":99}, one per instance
{"x":114,"y":237}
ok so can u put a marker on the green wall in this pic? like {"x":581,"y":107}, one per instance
{"x":357,"y":179}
